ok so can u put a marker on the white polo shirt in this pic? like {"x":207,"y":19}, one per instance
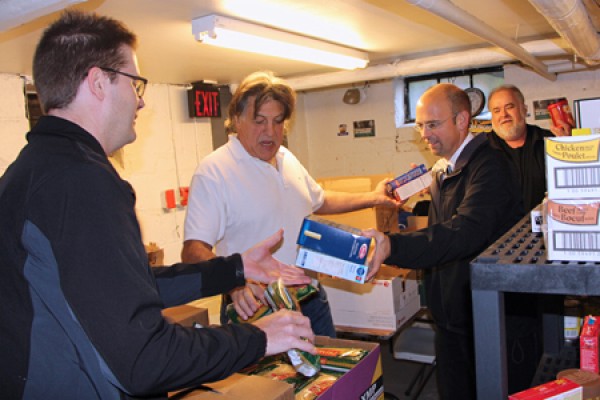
{"x":236,"y":200}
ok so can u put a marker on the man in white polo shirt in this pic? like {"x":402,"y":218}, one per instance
{"x":253,"y":186}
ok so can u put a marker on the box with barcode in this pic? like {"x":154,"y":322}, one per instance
{"x":571,"y":229}
{"x":573,"y":167}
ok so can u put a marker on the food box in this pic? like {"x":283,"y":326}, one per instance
{"x":571,"y":229}
{"x":559,"y":389}
{"x":333,"y":239}
{"x":186,"y":315}
{"x":588,"y":345}
{"x":332,"y":266}
{"x":410,"y":183}
{"x":364,"y":381}
{"x":573,"y":167}
{"x":386,"y":302}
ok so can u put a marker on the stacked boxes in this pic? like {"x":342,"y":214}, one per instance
{"x":571,"y":228}
{"x":333,"y":249}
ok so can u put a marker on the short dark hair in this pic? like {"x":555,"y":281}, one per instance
{"x":72,"y":45}
{"x":265,"y":86}
{"x":511,"y":88}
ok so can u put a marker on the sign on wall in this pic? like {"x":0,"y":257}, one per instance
{"x":204,"y":101}
{"x":365,"y":128}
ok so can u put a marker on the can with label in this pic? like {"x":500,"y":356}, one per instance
{"x":560,"y":112}
{"x":278,"y":297}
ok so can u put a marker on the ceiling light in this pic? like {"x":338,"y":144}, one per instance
{"x":231,"y":33}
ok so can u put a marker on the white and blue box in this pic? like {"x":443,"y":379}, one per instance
{"x":410,"y":183}
{"x":333,"y":239}
{"x":329,"y":265}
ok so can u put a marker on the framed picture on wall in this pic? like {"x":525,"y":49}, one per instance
{"x":364,"y":128}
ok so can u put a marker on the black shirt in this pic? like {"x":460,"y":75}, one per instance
{"x":529,"y":162}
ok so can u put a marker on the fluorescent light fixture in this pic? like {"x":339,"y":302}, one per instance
{"x":231,"y":33}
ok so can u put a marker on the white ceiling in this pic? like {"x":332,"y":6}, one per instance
{"x":388,"y":30}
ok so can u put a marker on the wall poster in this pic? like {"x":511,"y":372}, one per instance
{"x":365,"y":128}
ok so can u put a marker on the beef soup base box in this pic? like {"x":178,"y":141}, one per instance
{"x":572,"y":229}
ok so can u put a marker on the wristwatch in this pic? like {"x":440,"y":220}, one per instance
{"x":477,"y":99}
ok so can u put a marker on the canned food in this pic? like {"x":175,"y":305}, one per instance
{"x":560,"y":112}
{"x":278,"y":297}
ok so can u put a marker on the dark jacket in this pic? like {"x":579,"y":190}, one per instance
{"x":80,"y":309}
{"x":530,"y":163}
{"x":476,"y":204}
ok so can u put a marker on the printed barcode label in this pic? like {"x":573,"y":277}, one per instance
{"x":577,"y":177}
{"x":583,"y":241}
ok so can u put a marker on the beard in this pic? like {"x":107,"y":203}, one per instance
{"x":511,"y":133}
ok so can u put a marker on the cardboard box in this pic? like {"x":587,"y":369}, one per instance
{"x":332,"y":266}
{"x":573,"y":167}
{"x":333,"y":239}
{"x":571,"y":229}
{"x":386,"y":302}
{"x":364,"y":381}
{"x":588,"y":345}
{"x":559,"y":389}
{"x":238,"y":387}
{"x":186,"y":315}
{"x":410,"y":183}
{"x":537,"y":219}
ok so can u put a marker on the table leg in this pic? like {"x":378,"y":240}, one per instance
{"x":490,"y":344}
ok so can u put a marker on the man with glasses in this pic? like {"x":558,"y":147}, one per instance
{"x":80,"y":308}
{"x":474,"y":200}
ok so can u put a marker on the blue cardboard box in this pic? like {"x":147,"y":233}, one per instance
{"x":333,"y":239}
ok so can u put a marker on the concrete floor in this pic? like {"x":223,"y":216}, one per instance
{"x":397,"y":375}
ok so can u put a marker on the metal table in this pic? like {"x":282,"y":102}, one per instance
{"x":517,"y":263}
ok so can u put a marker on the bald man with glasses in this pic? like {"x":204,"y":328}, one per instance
{"x":474,"y":200}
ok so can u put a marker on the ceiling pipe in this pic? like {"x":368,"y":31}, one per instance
{"x":475,"y":26}
{"x":571,"y":20}
{"x":475,"y":58}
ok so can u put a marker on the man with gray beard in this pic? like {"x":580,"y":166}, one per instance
{"x":522,"y":143}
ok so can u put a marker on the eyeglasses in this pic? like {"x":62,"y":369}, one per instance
{"x":432,"y":125}
{"x":139,"y":83}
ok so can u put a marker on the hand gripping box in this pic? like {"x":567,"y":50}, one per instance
{"x":333,"y":239}
{"x":571,"y":229}
{"x":573,"y":167}
{"x":385,"y":303}
{"x":411,"y":182}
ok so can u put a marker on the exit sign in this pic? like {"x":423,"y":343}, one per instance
{"x":204,"y":101}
